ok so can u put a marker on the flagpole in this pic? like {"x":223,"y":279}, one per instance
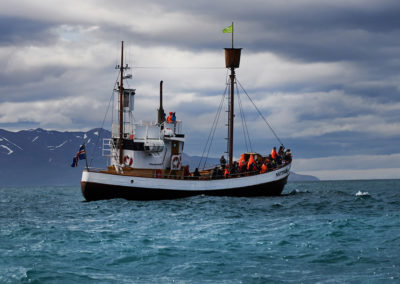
{"x":232,"y":34}
{"x":86,"y":158}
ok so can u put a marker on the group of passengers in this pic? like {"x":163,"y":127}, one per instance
{"x":171,"y":118}
{"x":247,"y":165}
{"x":252,"y":164}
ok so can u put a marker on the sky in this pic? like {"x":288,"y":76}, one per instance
{"x":325,"y":74}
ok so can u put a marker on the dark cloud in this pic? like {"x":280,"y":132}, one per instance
{"x":384,"y":93}
{"x":343,"y":143}
{"x":311,"y":31}
{"x":18,"y":31}
{"x":14,"y":78}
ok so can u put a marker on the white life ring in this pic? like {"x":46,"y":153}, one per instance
{"x":128,"y":161}
{"x":176,"y":162}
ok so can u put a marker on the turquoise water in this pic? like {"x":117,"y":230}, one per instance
{"x":327,"y":232}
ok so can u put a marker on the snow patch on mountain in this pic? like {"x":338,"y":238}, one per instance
{"x":8,"y":149}
{"x":12,"y":143}
{"x":62,"y":144}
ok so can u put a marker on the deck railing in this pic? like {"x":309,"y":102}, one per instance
{"x":191,"y":177}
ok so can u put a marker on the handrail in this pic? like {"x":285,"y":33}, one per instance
{"x":201,"y":177}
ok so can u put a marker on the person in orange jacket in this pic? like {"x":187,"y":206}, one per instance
{"x":273,"y":153}
{"x":264,"y":168}
{"x":226,"y":173}
{"x":242,"y":164}
{"x":169,"y":118}
{"x":251,"y":165}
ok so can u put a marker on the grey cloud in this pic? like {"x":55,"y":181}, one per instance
{"x":14,"y":78}
{"x":313,"y":31}
{"x":22,"y":31}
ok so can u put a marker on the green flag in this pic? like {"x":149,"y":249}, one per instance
{"x":228,"y":30}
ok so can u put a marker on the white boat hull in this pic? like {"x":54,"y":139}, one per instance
{"x":97,"y":185}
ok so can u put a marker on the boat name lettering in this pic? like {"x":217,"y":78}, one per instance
{"x":282,"y":172}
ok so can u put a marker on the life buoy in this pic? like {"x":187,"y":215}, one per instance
{"x":128,"y":160}
{"x":176,"y":162}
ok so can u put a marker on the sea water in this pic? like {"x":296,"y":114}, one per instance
{"x":326,"y":232}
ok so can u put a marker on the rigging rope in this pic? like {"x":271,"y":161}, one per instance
{"x":212,"y":131}
{"x":259,"y":112}
{"x":176,"y":67}
{"x":244,"y":123}
{"x":104,"y":119}
{"x":242,"y":119}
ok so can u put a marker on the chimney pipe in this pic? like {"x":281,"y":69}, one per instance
{"x":161,"y":110}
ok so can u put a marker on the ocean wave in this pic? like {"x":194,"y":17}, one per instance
{"x":361,"y":193}
{"x":297,"y":191}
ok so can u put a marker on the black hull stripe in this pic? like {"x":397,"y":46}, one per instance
{"x":97,"y":191}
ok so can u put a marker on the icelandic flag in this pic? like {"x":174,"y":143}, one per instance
{"x":81,"y":155}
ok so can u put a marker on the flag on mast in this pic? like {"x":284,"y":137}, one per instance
{"x":228,"y":30}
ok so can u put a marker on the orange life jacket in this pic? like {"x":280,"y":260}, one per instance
{"x":242,"y":161}
{"x":251,"y":161}
{"x":264,"y":169}
{"x":226,"y":173}
{"x":273,"y":154}
{"x":169,"y":118}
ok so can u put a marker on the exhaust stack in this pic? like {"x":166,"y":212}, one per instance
{"x":161,"y":113}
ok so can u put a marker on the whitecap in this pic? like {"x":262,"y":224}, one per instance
{"x":365,"y":193}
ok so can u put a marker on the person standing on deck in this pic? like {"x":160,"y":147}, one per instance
{"x":234,"y":169}
{"x":251,"y":165}
{"x":174,"y":121}
{"x":242,"y":164}
{"x":281,"y":151}
{"x":264,"y":168}
{"x":169,"y":118}
{"x":273,"y":153}
{"x":222,"y":161}
{"x":196,"y":173}
{"x":226,"y":173}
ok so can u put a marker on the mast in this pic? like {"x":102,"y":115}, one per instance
{"x":231,"y":116}
{"x":231,"y":112}
{"x":232,"y":61}
{"x":121,"y":114}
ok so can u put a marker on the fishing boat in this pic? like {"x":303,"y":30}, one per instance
{"x":145,"y":158}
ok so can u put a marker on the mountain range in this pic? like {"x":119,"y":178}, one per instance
{"x":39,"y":157}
